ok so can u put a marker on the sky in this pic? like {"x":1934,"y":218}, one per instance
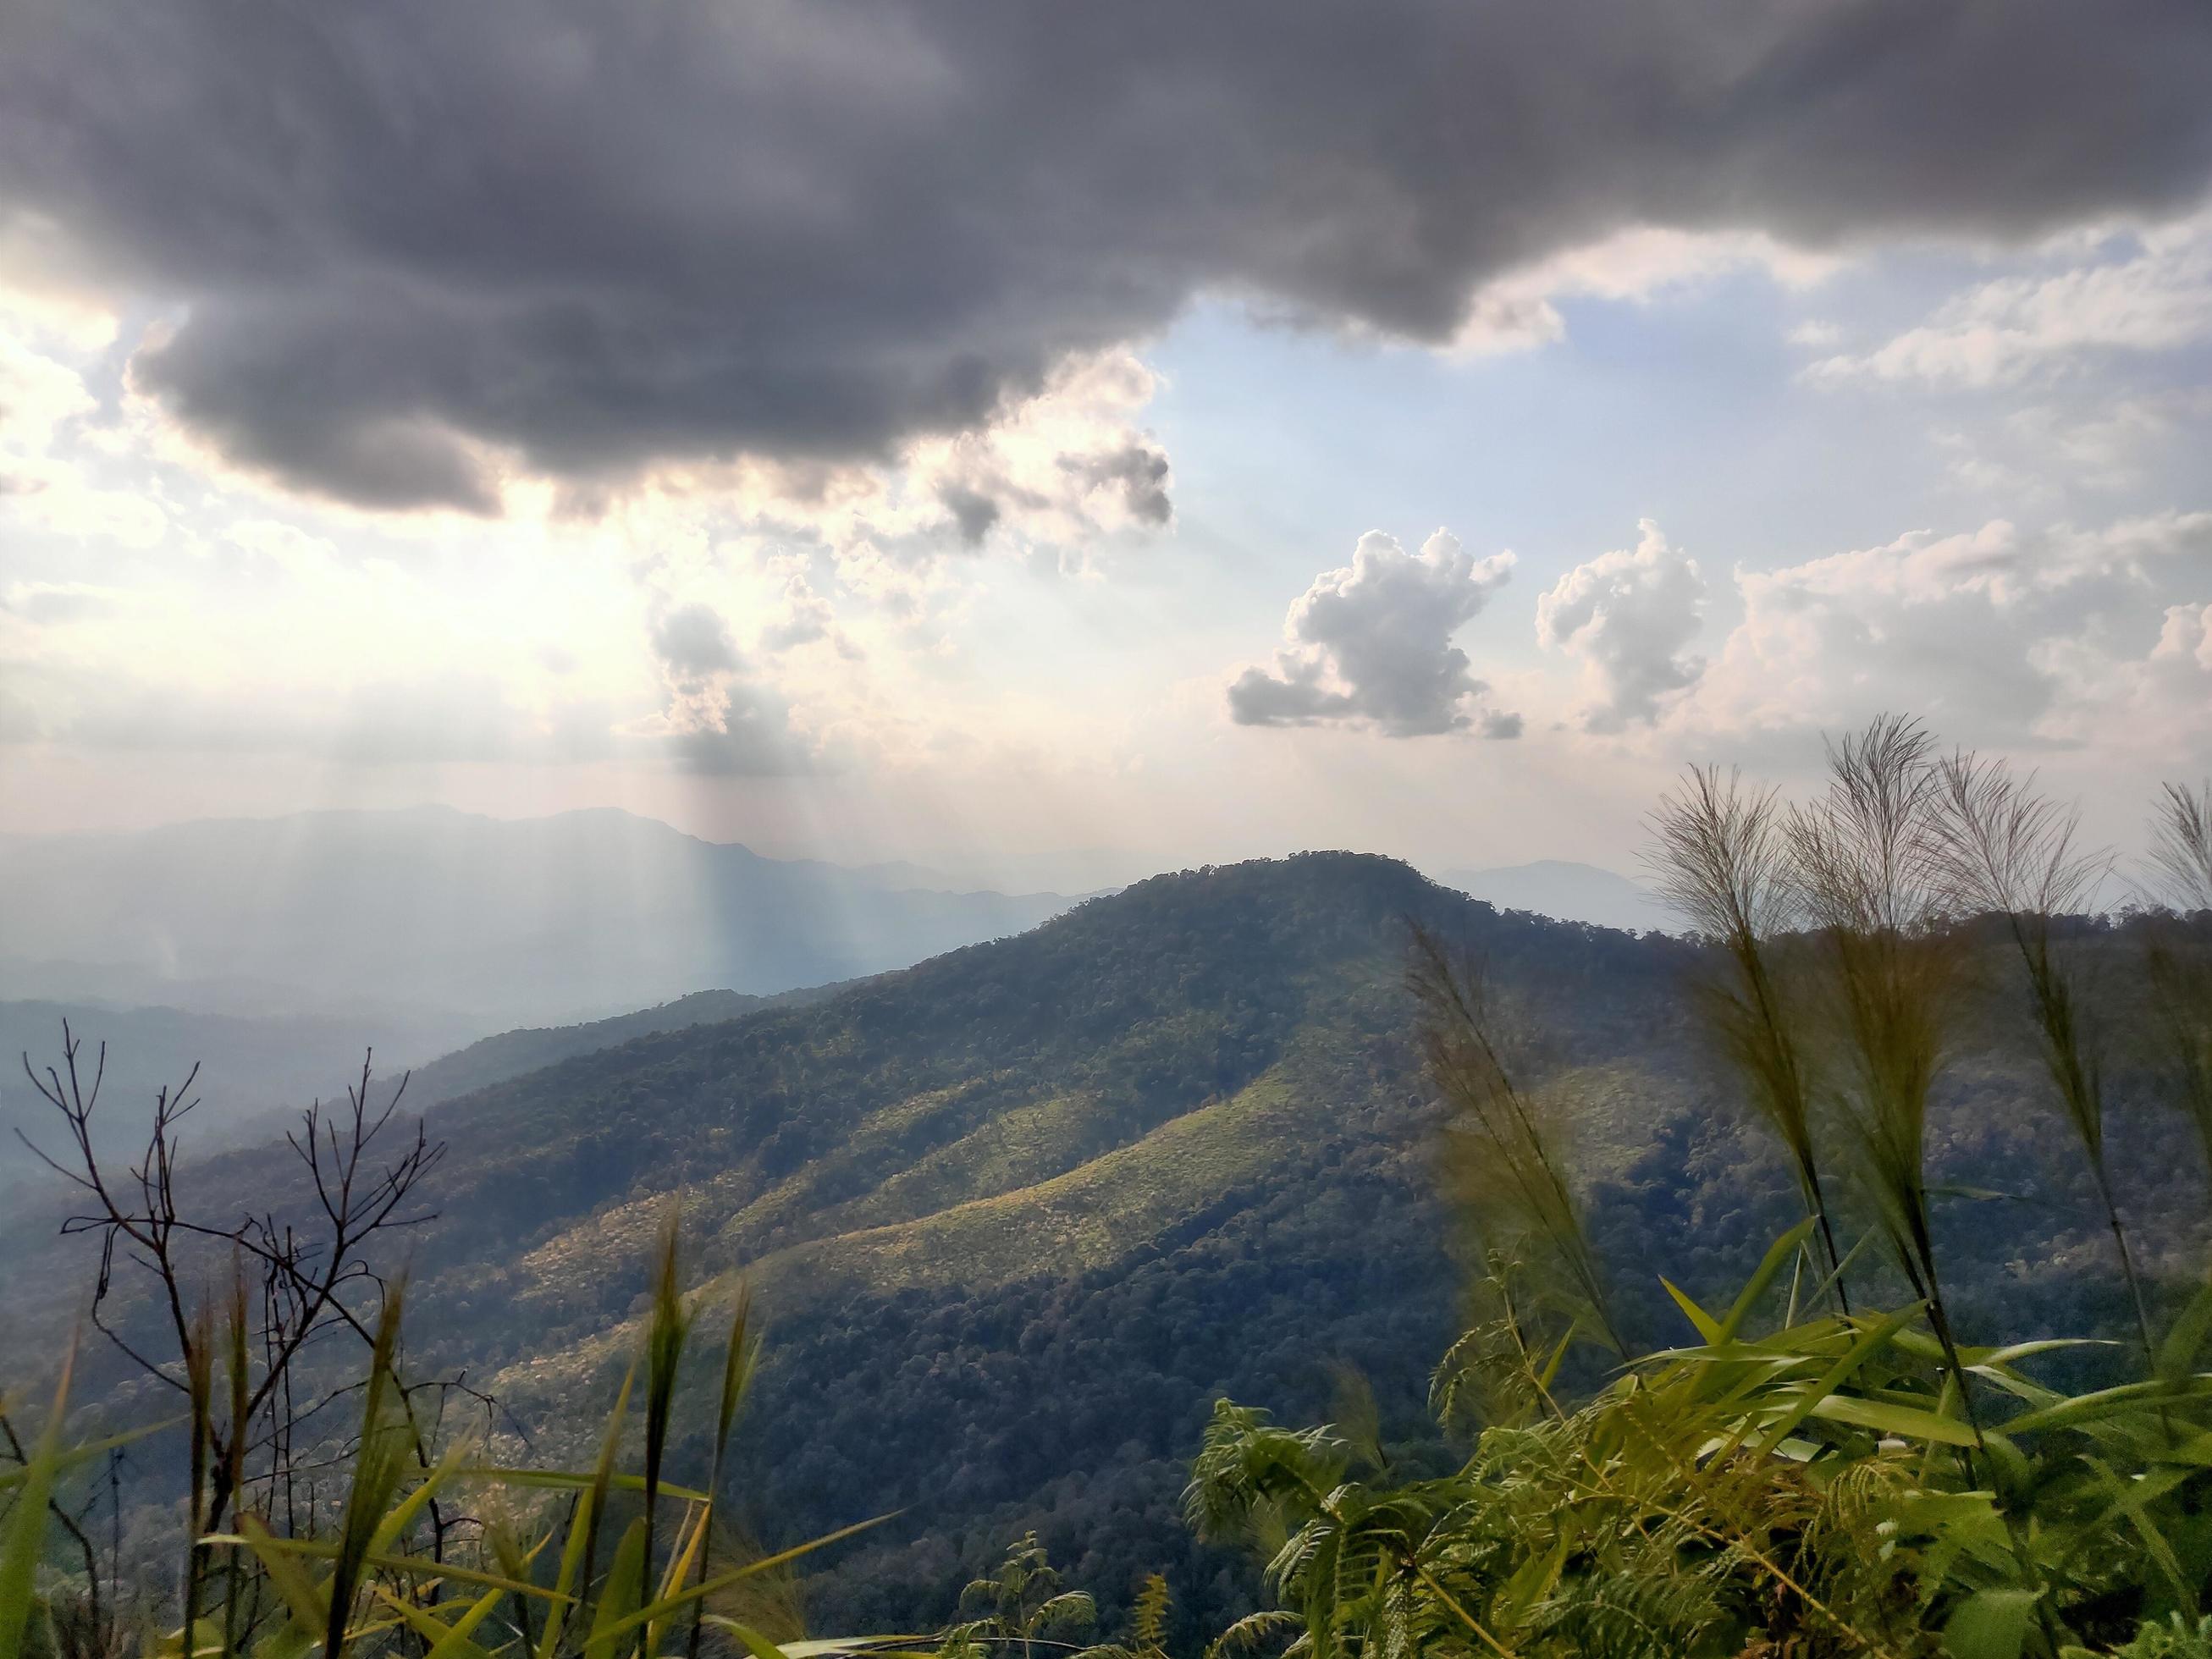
{"x":1053,"y":443}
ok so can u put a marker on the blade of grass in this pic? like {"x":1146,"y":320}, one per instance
{"x":26,"y":1540}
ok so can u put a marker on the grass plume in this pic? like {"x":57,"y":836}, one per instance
{"x":1867,"y":856}
{"x":2015,"y":853}
{"x":1721,"y":854}
{"x":1514,"y":1157}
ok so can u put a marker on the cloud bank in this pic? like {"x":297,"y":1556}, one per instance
{"x":2058,"y":636}
{"x":403,"y":247}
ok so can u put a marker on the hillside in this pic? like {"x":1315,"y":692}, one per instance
{"x":255,"y":1074}
{"x":1018,"y":1215}
{"x":494,"y":921}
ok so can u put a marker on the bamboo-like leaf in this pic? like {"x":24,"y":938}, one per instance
{"x":572,"y":1556}
{"x":378,"y":1466}
{"x":444,"y":1641}
{"x":679,"y":1565}
{"x":723,"y":1580}
{"x":2185,"y":1338}
{"x":2133,"y":1499}
{"x":394,"y":1525}
{"x":25,"y":1541}
{"x":1836,"y":1375}
{"x":1780,"y":1252}
{"x":1550,"y":1372}
{"x":2126,"y":1398}
{"x":616,"y":1612}
{"x":907,"y":1645}
{"x":1904,"y":1421}
{"x":687,"y":1545}
{"x":1836,"y":1274}
{"x":739,"y":1358}
{"x":301,"y":1595}
{"x":1987,"y":1362}
{"x":753,"y":1642}
{"x":666,"y":1333}
{"x":591,"y":1514}
{"x":1708,"y":1328}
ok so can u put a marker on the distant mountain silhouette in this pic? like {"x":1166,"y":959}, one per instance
{"x":491,"y":922}
{"x":1569,"y":892}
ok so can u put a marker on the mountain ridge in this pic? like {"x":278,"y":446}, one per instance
{"x":578,"y":915}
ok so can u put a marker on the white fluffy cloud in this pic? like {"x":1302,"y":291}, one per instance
{"x":1998,"y":635}
{"x":1370,"y":645}
{"x":1629,"y":615}
{"x":2157,"y":298}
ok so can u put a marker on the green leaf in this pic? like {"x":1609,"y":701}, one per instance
{"x":445,"y":1641}
{"x":25,"y":1543}
{"x":572,"y":1556}
{"x":2184,"y":1339}
{"x":1707,"y":1328}
{"x":617,"y":1611}
{"x":1992,"y":1624}
{"x":1779,"y":1253}
{"x":668,"y":1604}
{"x":2128,"y":1398}
{"x":1902,"y":1421}
{"x":1544,"y":1378}
{"x":394,"y":1525}
{"x":301,"y":1595}
{"x":755,"y":1644}
{"x":1836,"y":1375}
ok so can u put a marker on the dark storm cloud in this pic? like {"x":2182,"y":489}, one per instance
{"x":972,"y":510}
{"x":1139,"y":471}
{"x":610,"y":232}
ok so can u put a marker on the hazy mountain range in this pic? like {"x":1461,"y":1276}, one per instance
{"x":490,"y":922}
{"x":273,"y":952}
{"x":1569,"y":892}
{"x":250,"y":1076}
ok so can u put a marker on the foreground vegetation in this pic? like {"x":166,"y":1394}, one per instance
{"x":1831,"y":1458}
{"x":1812,"y":1474}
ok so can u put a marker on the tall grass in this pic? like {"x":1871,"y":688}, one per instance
{"x":1721,"y":854}
{"x":1868,"y":858}
{"x":2013,"y":852}
{"x":2180,"y":877}
{"x":516,"y":1579}
{"x":1501,"y":1141}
